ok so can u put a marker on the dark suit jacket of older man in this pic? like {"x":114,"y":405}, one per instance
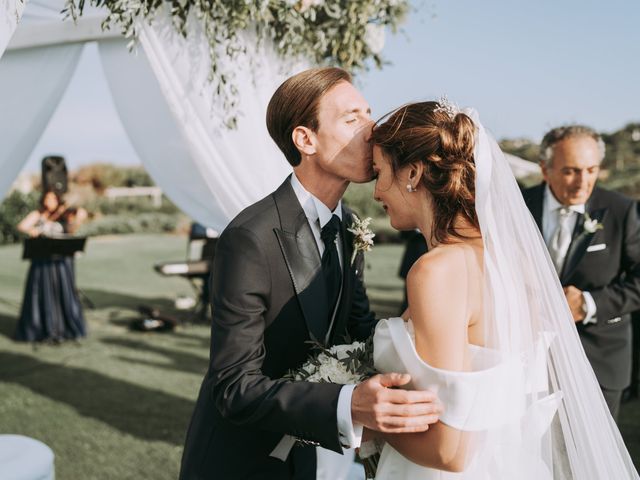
{"x":605,"y":263}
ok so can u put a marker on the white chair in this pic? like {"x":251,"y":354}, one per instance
{"x":24,"y":458}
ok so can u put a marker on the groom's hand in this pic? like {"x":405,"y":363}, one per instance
{"x":378,"y":406}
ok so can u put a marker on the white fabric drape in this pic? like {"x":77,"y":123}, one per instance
{"x":32,"y":82}
{"x":170,"y":111}
{"x":239,"y":166}
{"x":167,"y":106}
{"x":10,"y":14}
{"x":154,"y":133}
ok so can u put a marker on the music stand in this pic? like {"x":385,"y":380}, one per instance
{"x":51,"y":248}
{"x":46,"y":248}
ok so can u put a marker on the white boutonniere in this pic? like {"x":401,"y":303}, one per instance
{"x":362,"y":236}
{"x":591,"y":225}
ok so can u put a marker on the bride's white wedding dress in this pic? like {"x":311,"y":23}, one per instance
{"x":484,"y":400}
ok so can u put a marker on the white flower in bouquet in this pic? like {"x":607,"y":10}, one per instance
{"x":331,"y":370}
{"x":344,"y":350}
{"x":342,"y":364}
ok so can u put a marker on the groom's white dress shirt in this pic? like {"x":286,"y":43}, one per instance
{"x":550,"y":220}
{"x":318,"y":214}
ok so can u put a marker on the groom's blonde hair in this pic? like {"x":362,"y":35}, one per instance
{"x":295,"y":104}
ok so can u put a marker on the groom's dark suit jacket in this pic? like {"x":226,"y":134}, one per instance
{"x":607,"y":265}
{"x":269,"y":299}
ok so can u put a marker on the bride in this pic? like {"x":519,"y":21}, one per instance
{"x":490,"y":330}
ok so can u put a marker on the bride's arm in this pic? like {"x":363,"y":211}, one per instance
{"x":439,"y":302}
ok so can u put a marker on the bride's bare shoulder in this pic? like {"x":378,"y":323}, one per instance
{"x":438,"y":304}
{"x":443,"y":264}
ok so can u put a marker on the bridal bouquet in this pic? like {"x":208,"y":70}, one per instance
{"x":344,"y":364}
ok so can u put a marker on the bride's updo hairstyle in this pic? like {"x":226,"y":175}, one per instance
{"x":444,"y":142}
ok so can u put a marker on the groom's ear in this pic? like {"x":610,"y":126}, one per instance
{"x":304,"y":140}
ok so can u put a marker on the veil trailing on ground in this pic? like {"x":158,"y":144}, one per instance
{"x":562,"y":428}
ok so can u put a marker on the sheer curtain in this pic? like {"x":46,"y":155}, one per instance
{"x":10,"y":14}
{"x":166,"y":104}
{"x":28,"y":99}
{"x":174,"y":120}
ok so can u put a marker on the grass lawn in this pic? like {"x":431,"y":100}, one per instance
{"x":117,"y":405}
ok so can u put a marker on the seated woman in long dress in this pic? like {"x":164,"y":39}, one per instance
{"x":51,"y":310}
{"x":490,"y":330}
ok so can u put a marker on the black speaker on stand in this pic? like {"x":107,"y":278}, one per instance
{"x":54,"y":174}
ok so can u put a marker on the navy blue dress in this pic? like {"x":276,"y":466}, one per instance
{"x":51,"y":308}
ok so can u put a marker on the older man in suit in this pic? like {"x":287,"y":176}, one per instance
{"x":593,"y":236}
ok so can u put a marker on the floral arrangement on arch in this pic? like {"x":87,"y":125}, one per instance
{"x":342,"y":33}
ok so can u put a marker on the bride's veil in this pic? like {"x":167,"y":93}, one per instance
{"x":563,"y":427}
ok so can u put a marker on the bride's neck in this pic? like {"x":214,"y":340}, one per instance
{"x":468,"y":233}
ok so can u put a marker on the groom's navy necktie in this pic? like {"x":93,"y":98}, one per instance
{"x":330,"y":263}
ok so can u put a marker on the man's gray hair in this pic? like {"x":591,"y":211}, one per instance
{"x":560,"y":133}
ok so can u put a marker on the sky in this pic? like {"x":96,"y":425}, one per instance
{"x":526,"y":66}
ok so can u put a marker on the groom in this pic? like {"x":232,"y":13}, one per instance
{"x":282,"y":277}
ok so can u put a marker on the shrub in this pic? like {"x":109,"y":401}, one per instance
{"x":13,"y":209}
{"x":132,"y":223}
{"x":129,"y":205}
{"x":103,"y":175}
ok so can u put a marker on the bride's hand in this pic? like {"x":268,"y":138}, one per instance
{"x":378,"y":407}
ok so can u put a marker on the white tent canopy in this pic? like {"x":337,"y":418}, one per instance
{"x":163,"y":100}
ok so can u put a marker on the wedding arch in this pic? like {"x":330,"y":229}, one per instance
{"x":192,"y":95}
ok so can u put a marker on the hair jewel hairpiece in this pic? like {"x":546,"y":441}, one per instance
{"x":448,"y":107}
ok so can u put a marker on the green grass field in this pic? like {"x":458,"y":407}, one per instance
{"x":117,"y":405}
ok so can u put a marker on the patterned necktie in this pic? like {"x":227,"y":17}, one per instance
{"x":330,"y":263}
{"x":561,"y":238}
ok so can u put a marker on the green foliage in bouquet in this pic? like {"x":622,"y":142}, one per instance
{"x":336,"y":32}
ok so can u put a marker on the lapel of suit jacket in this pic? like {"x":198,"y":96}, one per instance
{"x":301,"y":255}
{"x":581,"y":239}
{"x":342,"y":313}
{"x":534,"y":199}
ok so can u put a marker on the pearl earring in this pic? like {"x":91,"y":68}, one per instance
{"x":410,"y":188}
